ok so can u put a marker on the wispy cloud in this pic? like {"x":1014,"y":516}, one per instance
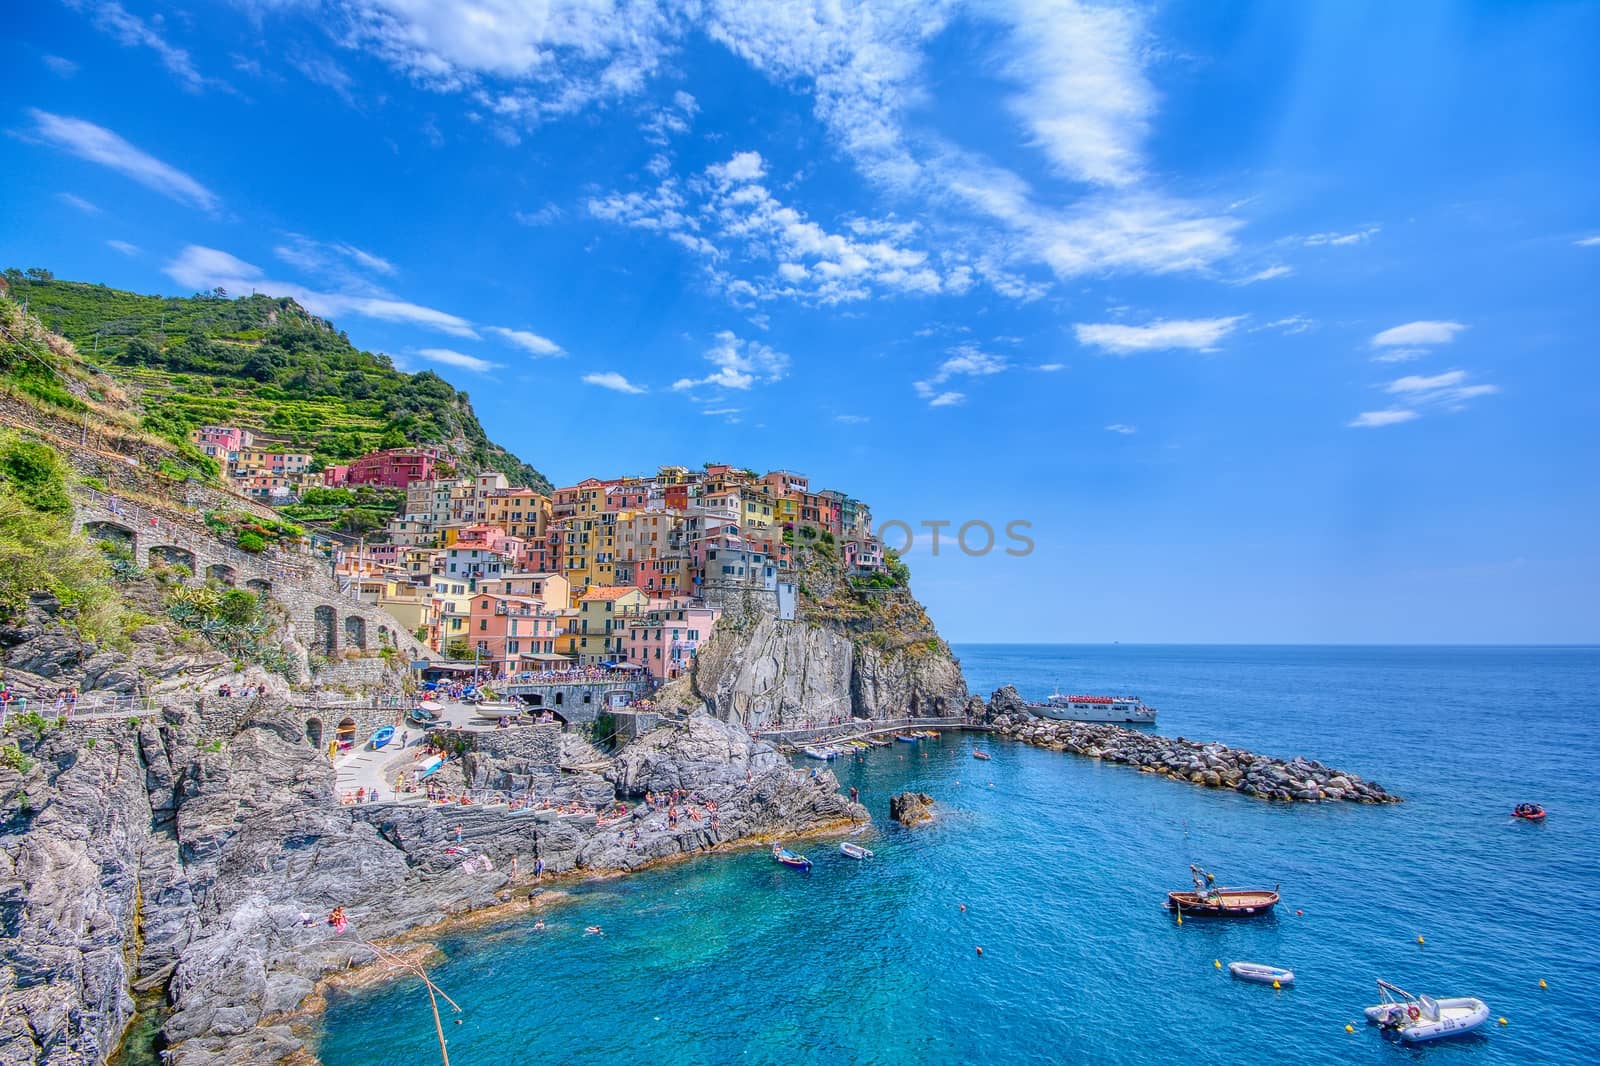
{"x":1050,"y":368}
{"x":965,"y":361}
{"x":329,"y":257}
{"x":131,"y":31}
{"x":1271,"y":273}
{"x":124,"y":247}
{"x":1336,"y":239}
{"x":532,"y":343}
{"x":1391,"y":416}
{"x":542,"y":217}
{"x":1415,"y":394}
{"x":451,"y":357}
{"x":1588,"y":242}
{"x":1198,"y":334}
{"x":1125,"y":430}
{"x":322,"y":70}
{"x":205,"y":268}
{"x":739,"y":364}
{"x":610,"y":379}
{"x":1417,"y":333}
{"x":78,"y":202}
{"x":100,"y":145}
{"x":852,"y":420}
{"x":60,"y":66}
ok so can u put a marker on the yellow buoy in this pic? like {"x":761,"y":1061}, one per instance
{"x":1275,"y":984}
{"x":1180,"y":919}
{"x":1217,"y":963}
{"x":1421,"y":941}
{"x":1502,"y":1021}
{"x":1542,"y":984}
{"x":1349,"y":1028}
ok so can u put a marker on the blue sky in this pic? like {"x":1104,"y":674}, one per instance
{"x":1275,"y":321}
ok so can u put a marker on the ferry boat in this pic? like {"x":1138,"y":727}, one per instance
{"x":1095,"y":709}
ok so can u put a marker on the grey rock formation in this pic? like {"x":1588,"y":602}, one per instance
{"x":911,"y":808}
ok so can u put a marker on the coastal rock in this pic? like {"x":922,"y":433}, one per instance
{"x":911,"y":808}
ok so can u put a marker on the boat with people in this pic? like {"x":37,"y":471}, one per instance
{"x":855,"y":851}
{"x":1529,"y":812}
{"x":785,"y":857}
{"x":1262,"y":974}
{"x":1418,"y":1018}
{"x":1209,"y":900}
{"x":980,"y":754}
{"x":382,"y":736}
{"x":1121,"y":709}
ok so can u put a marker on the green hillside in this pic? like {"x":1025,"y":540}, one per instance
{"x":264,"y":363}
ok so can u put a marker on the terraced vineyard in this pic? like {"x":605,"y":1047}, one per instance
{"x":264,"y":363}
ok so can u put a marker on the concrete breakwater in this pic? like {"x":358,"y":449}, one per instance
{"x":1209,"y":764}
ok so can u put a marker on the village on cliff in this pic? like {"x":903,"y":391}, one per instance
{"x":629,"y":572}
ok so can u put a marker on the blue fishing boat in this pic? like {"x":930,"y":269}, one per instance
{"x":783,"y":855}
{"x":906,"y":739}
{"x":382,"y":736}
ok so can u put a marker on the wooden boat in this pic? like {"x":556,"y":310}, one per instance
{"x":1530,"y":812}
{"x":855,"y":851}
{"x":1209,"y":901}
{"x":1261,"y":973}
{"x":874,"y":742}
{"x":981,"y":755}
{"x":788,"y":858}
{"x":1418,"y":1018}
{"x":382,"y":736}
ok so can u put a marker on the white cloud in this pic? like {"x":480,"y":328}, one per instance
{"x":204,"y":268}
{"x":79,"y":202}
{"x":1051,"y":368}
{"x":544,"y":216}
{"x":1399,"y":355}
{"x":1588,"y":242}
{"x":1415,"y":334}
{"x":1084,"y":97}
{"x":329,"y":257}
{"x":1416,"y":393}
{"x":668,"y":121}
{"x":1200,"y":334}
{"x":965,"y":360}
{"x":1269,"y":274}
{"x":131,"y":31}
{"x":124,"y":247}
{"x":852,"y":420}
{"x":740,"y":364}
{"x":614,"y":381}
{"x":451,"y":357}
{"x":1289,"y":326}
{"x":1126,"y":431}
{"x":322,"y":70}
{"x":532,"y":343}
{"x":1335,"y":239}
{"x":99,"y":145}
{"x":1392,"y":416}
{"x":60,"y":65}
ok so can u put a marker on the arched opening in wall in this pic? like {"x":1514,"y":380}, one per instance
{"x":119,"y":537}
{"x":345,"y":735}
{"x":558,"y":699}
{"x":172,"y":555}
{"x":537,"y":699}
{"x":324,"y":631}
{"x":222,"y":574}
{"x":314,"y":732}
{"x":385,"y":638}
{"x":258,"y":584}
{"x":355,"y":631}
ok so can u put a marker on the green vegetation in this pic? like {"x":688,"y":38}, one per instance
{"x":38,"y":550}
{"x":12,"y":758}
{"x":234,"y":621}
{"x":251,"y":532}
{"x":358,"y":510}
{"x":258,"y":361}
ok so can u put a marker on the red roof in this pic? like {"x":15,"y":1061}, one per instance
{"x":611,"y":592}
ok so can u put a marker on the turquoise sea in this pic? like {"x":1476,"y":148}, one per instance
{"x":1061,"y":864}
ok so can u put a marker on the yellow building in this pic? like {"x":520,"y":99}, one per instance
{"x":521,"y":513}
{"x":603,"y":617}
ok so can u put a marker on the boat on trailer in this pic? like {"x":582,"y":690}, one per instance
{"x":382,"y":736}
{"x":788,"y":858}
{"x":1262,"y":974}
{"x":1209,"y":900}
{"x":855,"y":851}
{"x":1418,"y":1018}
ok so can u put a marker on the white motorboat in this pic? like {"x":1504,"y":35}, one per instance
{"x":497,"y":709}
{"x":818,"y":753}
{"x":1262,"y":973}
{"x":1064,"y":708}
{"x":855,"y":851}
{"x":1418,"y":1018}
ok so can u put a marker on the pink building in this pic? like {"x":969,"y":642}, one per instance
{"x":335,"y":477}
{"x":666,"y":638}
{"x":512,"y":632}
{"x":221,"y":442}
{"x":394,"y":468}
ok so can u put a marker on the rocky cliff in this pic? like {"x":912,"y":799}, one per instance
{"x":851,"y":652}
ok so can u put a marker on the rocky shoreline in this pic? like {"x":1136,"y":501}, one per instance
{"x":1210,"y":765}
